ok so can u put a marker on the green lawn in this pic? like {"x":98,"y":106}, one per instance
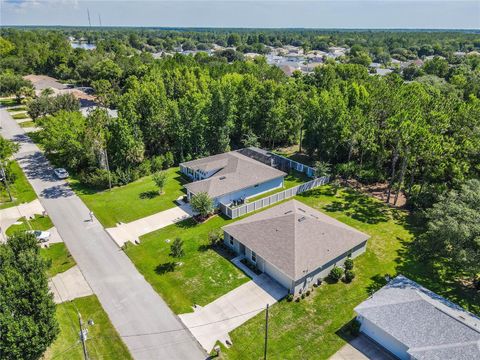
{"x":314,"y":326}
{"x":21,"y":189}
{"x":20,"y":116}
{"x":26,"y":124}
{"x":103,"y":341}
{"x":204,"y":275}
{"x":133,"y":201}
{"x":8,"y":102}
{"x":60,"y":257}
{"x":38,"y":223}
{"x":293,"y":179}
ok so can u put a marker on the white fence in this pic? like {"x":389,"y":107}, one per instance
{"x":235,"y":212}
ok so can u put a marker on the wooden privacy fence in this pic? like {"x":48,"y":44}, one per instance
{"x":235,"y":212}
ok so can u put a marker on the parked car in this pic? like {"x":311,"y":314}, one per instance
{"x":61,"y":173}
{"x":41,"y":236}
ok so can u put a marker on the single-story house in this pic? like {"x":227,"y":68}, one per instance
{"x":230,"y":176}
{"x":414,"y":323}
{"x":294,"y":244}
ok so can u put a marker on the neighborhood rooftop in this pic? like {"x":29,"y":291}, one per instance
{"x":430,"y":326}
{"x":235,"y":172}
{"x":295,"y":238}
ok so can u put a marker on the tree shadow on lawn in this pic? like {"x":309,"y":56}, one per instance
{"x":165,"y":268}
{"x":150,"y":194}
{"x":360,"y":207}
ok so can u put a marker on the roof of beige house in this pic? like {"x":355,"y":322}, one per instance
{"x":235,"y":172}
{"x":295,"y":238}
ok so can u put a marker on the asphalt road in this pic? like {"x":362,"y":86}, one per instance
{"x":146,"y":324}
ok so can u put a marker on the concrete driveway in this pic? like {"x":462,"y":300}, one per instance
{"x":133,"y":230}
{"x":361,"y":348}
{"x":69,"y":285}
{"x":213,"y":322}
{"x":143,"y":320}
{"x":11,"y":215}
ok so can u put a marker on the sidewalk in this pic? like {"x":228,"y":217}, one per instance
{"x":133,"y":230}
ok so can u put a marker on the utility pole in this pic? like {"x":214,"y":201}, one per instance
{"x":108,"y":169}
{"x":100,"y":20}
{"x":83,"y":336}
{"x":266,"y":334}
{"x":88,"y":14}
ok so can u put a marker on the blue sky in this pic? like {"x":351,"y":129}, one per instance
{"x":418,"y":14}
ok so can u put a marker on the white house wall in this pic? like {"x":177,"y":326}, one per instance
{"x":251,"y":191}
{"x":385,"y":340}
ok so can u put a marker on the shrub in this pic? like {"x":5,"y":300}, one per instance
{"x":202,"y":203}
{"x":348,"y":264}
{"x":346,"y":170}
{"x":289,"y":297}
{"x":176,"y":249}
{"x":145,"y":168}
{"x":303,"y":296}
{"x":354,"y":327}
{"x":349,"y":275}
{"x":156,"y":163}
{"x":297,"y":299}
{"x":336,"y":274}
{"x":308,"y":293}
{"x":168,"y":160}
{"x":370,"y":176}
{"x":215,"y":237}
{"x":98,"y":179}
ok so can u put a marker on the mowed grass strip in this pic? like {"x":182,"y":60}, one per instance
{"x":39,"y":222}
{"x":202,"y":275}
{"x":314,"y":327}
{"x":21,"y":189}
{"x":133,"y":201}
{"x":60,"y":257}
{"x":20,"y":116}
{"x":103,"y":341}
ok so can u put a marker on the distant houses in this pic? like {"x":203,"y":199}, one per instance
{"x":414,"y":323}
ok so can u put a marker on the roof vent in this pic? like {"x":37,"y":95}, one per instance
{"x":301,"y":210}
{"x":223,"y":177}
{"x":288,"y":212}
{"x":302,"y":218}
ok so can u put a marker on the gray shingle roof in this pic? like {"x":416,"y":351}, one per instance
{"x":235,"y":172}
{"x":430,"y":326}
{"x":295,"y":238}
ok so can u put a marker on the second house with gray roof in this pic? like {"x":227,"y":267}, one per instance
{"x":230,"y":177}
{"x":294,"y":244}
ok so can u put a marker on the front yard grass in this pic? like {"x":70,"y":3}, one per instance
{"x":204,"y":274}
{"x":103,"y":340}
{"x":133,"y":201}
{"x":39,"y":222}
{"x":20,"y":116}
{"x":21,"y":189}
{"x":60,"y":258}
{"x":28,"y":124}
{"x":314,"y":328}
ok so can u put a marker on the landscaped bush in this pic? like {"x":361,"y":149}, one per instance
{"x":157,"y":163}
{"x":370,"y":176}
{"x":354,"y":328}
{"x":176,"y":249}
{"x":289,"y":297}
{"x":349,"y":275}
{"x":168,"y":160}
{"x":98,"y":179}
{"x":348,"y":264}
{"x":215,"y":237}
{"x":336,"y":274}
{"x":308,"y":293}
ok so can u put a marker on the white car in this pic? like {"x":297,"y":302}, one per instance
{"x":61,"y":173}
{"x":41,"y":236}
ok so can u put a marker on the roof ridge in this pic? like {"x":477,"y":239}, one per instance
{"x":446,"y":346}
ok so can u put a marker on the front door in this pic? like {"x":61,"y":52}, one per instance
{"x":242,"y":249}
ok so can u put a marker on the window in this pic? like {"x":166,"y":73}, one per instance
{"x":254,"y":257}
{"x":231,"y":241}
{"x":256,"y":185}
